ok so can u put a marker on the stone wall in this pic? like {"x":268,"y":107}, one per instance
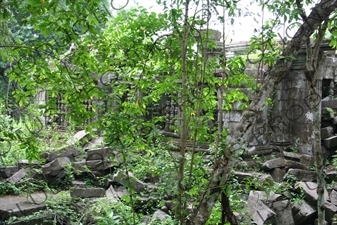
{"x":287,"y":121}
{"x":290,"y":114}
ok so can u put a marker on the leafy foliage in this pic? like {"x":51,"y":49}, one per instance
{"x":133,"y":64}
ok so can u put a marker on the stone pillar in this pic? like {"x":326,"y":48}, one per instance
{"x":290,"y":120}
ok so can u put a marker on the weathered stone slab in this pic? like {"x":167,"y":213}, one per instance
{"x":54,"y":167}
{"x":302,"y":175}
{"x":78,"y":184}
{"x":69,"y":152}
{"x":18,"y":206}
{"x":310,"y":190}
{"x":121,"y":192}
{"x":8,"y":171}
{"x":265,"y":197}
{"x":159,"y":215}
{"x":258,"y":211}
{"x":248,"y":163}
{"x":24,"y":163}
{"x":326,"y":132}
{"x":329,"y":103}
{"x":263,"y":179}
{"x":17,"y":176}
{"x":306,"y":160}
{"x":302,"y":212}
{"x":89,"y":166}
{"x":331,"y":176}
{"x":278,"y":174}
{"x":330,"y":211}
{"x":111,"y":193}
{"x":87,"y":192}
{"x":259,"y":150}
{"x":273,"y":163}
{"x":330,"y":142}
{"x":294,"y":164}
{"x":283,"y":212}
{"x":101,"y":154}
{"x":80,"y":137}
{"x":130,"y":180}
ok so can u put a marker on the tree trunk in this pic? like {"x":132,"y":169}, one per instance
{"x":316,"y":108}
{"x":223,"y":167}
{"x":227,"y":212}
{"x":310,"y":72}
{"x":181,"y":204}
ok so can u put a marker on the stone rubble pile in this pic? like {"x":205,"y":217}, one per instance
{"x":98,"y":161}
{"x":268,"y":166}
{"x":281,"y":164}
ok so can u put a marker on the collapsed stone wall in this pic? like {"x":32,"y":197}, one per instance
{"x":287,"y":119}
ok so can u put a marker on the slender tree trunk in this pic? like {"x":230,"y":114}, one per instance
{"x":311,"y":75}
{"x":316,"y":108}
{"x":223,"y":166}
{"x":315,"y":103}
{"x":181,"y":205}
{"x":227,"y":211}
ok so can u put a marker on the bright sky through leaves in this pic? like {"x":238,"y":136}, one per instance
{"x":252,"y":17}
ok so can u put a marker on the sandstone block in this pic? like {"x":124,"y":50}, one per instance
{"x":306,"y":160}
{"x":330,"y":210}
{"x":326,"y":132}
{"x":294,"y":164}
{"x":101,"y":154}
{"x":330,"y":142}
{"x":91,"y":166}
{"x":79,"y":184}
{"x":17,"y":176}
{"x":283,"y":212}
{"x":273,"y":163}
{"x":310,"y":190}
{"x":302,"y":175}
{"x":258,"y":150}
{"x":159,"y":215}
{"x":69,"y":152}
{"x":302,"y":212}
{"x":331,"y":176}
{"x":80,"y":137}
{"x":111,"y":194}
{"x":259,"y":212}
{"x":87,"y":192}
{"x":329,"y":103}
{"x":25,"y":163}
{"x":131,"y":180}
{"x":54,"y":167}
{"x":8,"y":171}
{"x":265,"y":197}
{"x":263,"y":179}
